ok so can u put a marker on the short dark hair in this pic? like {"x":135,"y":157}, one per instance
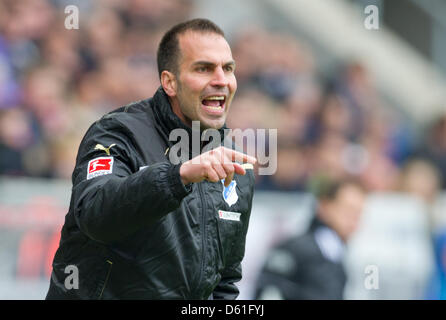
{"x":169,"y":50}
{"x":324,"y":188}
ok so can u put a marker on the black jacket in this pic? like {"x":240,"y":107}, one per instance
{"x":133,"y":230}
{"x":305,"y":267}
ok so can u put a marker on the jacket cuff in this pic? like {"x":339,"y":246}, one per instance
{"x":179,"y":190}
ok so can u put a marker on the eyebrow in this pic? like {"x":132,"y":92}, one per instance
{"x":211,"y":64}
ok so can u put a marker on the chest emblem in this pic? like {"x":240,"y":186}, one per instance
{"x":230,"y":192}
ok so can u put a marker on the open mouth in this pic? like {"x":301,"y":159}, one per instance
{"x":214,"y":104}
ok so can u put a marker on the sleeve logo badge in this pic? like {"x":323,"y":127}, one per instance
{"x":230,"y":192}
{"x":101,"y":147}
{"x":99,"y":167}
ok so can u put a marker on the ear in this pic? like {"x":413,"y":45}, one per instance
{"x":169,"y":83}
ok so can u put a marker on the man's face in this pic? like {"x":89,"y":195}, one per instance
{"x":205,"y":83}
{"x":343,"y":213}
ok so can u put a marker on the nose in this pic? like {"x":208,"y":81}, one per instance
{"x":219,"y":78}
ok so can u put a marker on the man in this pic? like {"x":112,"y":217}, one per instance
{"x":140,"y":226}
{"x":309,"y":266}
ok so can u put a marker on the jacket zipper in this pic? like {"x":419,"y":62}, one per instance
{"x":106,"y":278}
{"x":203,"y":235}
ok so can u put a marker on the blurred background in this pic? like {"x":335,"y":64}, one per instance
{"x":348,"y":102}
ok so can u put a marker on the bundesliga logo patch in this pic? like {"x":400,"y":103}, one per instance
{"x":99,"y":167}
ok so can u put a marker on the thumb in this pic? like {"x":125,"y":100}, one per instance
{"x":228,"y":179}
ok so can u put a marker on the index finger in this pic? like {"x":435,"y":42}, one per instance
{"x":239,"y":156}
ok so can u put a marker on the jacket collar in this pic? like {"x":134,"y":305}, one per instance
{"x":167,"y":120}
{"x":164,"y":115}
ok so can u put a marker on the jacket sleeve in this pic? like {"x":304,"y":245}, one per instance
{"x":279,"y":276}
{"x":273,"y":285}
{"x":109,"y":207}
{"x":227,"y":288}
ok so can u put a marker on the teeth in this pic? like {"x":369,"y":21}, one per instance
{"x":216,"y":98}
{"x":213,"y":108}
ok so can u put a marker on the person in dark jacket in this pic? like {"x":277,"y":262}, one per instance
{"x":309,"y":266}
{"x":141,"y":226}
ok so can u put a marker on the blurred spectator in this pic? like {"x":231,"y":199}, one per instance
{"x":326,"y":156}
{"x":45,"y":94}
{"x":309,"y":266}
{"x":9,"y":88}
{"x":437,"y":286}
{"x":15,"y":136}
{"x":421,"y":178}
{"x":354,"y":83}
{"x":380,"y":173}
{"x":291,"y":173}
{"x":434,"y":146}
{"x":252,"y":109}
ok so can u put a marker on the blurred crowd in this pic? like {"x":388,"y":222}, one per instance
{"x":55,"y":82}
